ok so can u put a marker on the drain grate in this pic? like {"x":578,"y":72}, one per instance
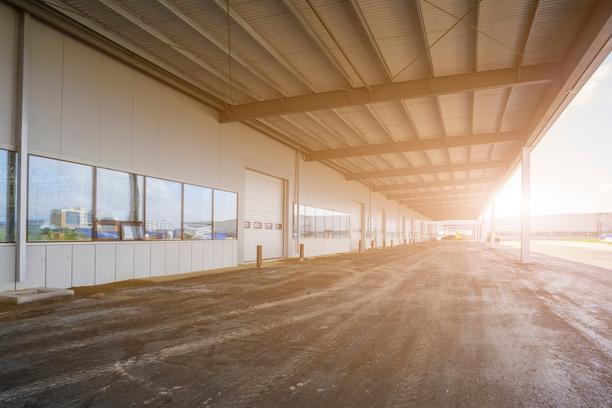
{"x":21,"y":297}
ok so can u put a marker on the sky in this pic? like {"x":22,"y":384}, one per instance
{"x":571,"y":167}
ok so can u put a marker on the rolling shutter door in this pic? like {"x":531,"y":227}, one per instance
{"x":263,"y":213}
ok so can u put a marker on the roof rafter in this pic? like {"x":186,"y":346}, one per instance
{"x":446,"y":193}
{"x":416,"y":145}
{"x":396,"y":91}
{"x":446,"y":168}
{"x":265,"y":44}
{"x":433,"y":184}
{"x":313,"y":34}
{"x":220,"y":44}
{"x":149,"y":28}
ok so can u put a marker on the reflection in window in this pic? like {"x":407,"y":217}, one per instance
{"x":344,"y":226}
{"x":225,"y":215}
{"x":8,"y":195}
{"x":309,"y":222}
{"x":118,"y":199}
{"x":59,"y":200}
{"x":197,"y":217}
{"x":163,"y":209}
{"x":337,"y":224}
{"x":320,"y":223}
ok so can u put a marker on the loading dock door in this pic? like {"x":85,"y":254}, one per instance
{"x":355,"y":225}
{"x":263,"y":216}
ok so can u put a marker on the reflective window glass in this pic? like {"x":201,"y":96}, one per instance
{"x":310,"y":222}
{"x":163,"y":209}
{"x":225,"y":215}
{"x":59,"y":200}
{"x":197,"y":216}
{"x":8,"y":195}
{"x":119,"y":198}
{"x":320,"y":223}
{"x":336,"y":222}
{"x":302,"y":220}
{"x":343,"y":225}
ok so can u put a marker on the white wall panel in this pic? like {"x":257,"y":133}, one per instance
{"x":35,"y":267}
{"x":197,"y":249}
{"x":218,"y":254}
{"x":7,"y":266}
{"x":228,"y":254}
{"x":45,"y":93}
{"x":145,"y":147}
{"x":142,"y":260}
{"x":193,"y":127}
{"x":158,"y":259}
{"x":105,"y":264}
{"x":172,"y":258}
{"x":234,"y":253}
{"x":82,"y":91}
{"x":8,"y":26}
{"x":210,"y":150}
{"x":59,"y":266}
{"x":185,"y":258}
{"x":116,"y":123}
{"x":83,"y":265}
{"x":170,"y":132}
{"x":125,"y":261}
{"x":208,"y":256}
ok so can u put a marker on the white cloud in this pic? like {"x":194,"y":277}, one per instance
{"x":590,"y":90}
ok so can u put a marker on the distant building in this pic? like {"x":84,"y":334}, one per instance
{"x":70,"y":217}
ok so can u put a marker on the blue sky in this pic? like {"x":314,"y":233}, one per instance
{"x":571,"y":167}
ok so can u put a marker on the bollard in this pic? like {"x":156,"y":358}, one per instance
{"x":391,"y":243}
{"x":359,"y":246}
{"x":404,"y":241}
{"x":259,"y":252}
{"x":384,"y":244}
{"x":372,"y":244}
{"x":301,"y":252}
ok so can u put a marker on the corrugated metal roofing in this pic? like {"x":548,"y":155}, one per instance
{"x":437,"y":94}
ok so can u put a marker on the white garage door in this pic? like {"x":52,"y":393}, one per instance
{"x":355,"y":225}
{"x":263,"y":215}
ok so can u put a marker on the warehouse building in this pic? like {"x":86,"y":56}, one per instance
{"x":142,"y":139}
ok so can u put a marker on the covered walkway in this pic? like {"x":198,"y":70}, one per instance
{"x":435,"y":324}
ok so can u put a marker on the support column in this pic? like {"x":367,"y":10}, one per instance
{"x":21,"y":136}
{"x":493,"y":222}
{"x":526,"y":206}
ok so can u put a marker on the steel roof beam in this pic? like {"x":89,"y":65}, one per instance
{"x":445,"y":193}
{"x":265,"y":44}
{"x":415,"y":145}
{"x":447,"y":168}
{"x":313,"y":34}
{"x":165,"y":39}
{"x":433,"y":184}
{"x":419,"y":88}
{"x":220,"y":44}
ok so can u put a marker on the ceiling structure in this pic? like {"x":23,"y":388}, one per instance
{"x":428,"y":102}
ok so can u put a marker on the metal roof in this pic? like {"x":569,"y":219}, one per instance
{"x":426,"y":101}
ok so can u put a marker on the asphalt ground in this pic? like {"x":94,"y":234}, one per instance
{"x":435,"y":324}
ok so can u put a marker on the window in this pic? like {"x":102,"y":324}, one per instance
{"x":247,"y":224}
{"x":309,"y":222}
{"x":344,"y":226}
{"x":320,"y":223}
{"x":197,"y":216}
{"x":119,"y":198}
{"x":163,"y":209}
{"x":268,"y":225}
{"x":257,"y":225}
{"x":278,"y":226}
{"x":8,"y":195}
{"x":60,"y":200}
{"x":337,"y":224}
{"x":225,"y":215}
